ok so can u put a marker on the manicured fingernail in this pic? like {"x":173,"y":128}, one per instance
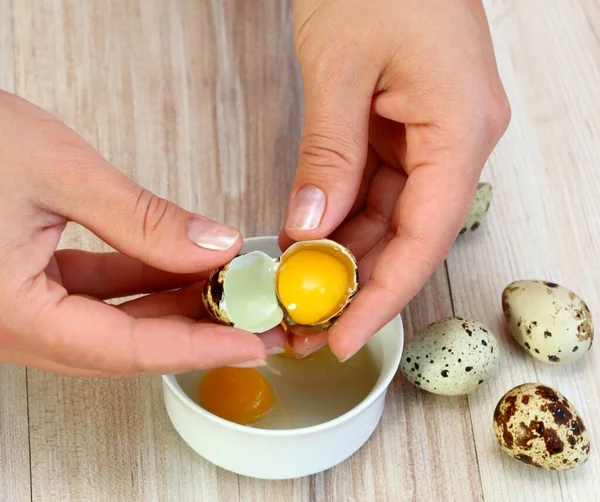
{"x":211,"y":235}
{"x":253,"y":363}
{"x":307,"y":209}
{"x":310,"y":352}
{"x":273,"y":351}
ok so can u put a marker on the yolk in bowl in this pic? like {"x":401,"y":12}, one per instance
{"x":312,"y":286}
{"x":240,"y":395}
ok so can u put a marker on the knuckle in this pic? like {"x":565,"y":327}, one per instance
{"x":136,"y":363}
{"x":430,"y":251}
{"x":497,"y":117}
{"x":151,"y":212}
{"x":328,"y":150}
{"x":375,"y":217}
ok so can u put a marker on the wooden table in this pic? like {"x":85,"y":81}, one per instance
{"x":200,"y":101}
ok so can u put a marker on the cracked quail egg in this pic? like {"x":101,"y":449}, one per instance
{"x":479,"y":208}
{"x":550,"y":322}
{"x":537,"y":425}
{"x":307,"y":287}
{"x":451,"y":357}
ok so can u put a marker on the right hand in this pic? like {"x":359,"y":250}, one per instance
{"x":52,"y":314}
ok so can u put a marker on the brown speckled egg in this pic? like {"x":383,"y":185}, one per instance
{"x":549,"y":321}
{"x":479,"y":208}
{"x":538,"y":426}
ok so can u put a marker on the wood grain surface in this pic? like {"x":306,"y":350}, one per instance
{"x":200,"y":101}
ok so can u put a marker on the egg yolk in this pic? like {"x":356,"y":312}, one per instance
{"x":312,"y":286}
{"x":240,"y":395}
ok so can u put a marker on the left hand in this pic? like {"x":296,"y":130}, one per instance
{"x":403,"y":106}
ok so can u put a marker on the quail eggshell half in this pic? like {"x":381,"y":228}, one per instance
{"x":537,"y":425}
{"x":479,"y":208}
{"x":547,"y":320}
{"x":346,"y":258}
{"x":242,"y":293}
{"x":451,"y":357}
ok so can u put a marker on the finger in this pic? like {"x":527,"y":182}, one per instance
{"x":284,"y":240}
{"x":422,"y":241}
{"x":371,"y":224}
{"x":305,"y":345}
{"x":126,"y":216}
{"x":274,"y":340}
{"x":114,"y":275}
{"x":388,"y":139}
{"x":78,"y":331}
{"x":371,"y":168}
{"x":185,"y":302}
{"x":367,"y":263}
{"x":333,"y":150}
{"x":42,"y":364}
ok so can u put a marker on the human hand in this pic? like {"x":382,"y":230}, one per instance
{"x":52,"y":315}
{"x":403,"y":106}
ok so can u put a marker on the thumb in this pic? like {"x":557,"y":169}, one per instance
{"x":332,"y":156}
{"x":133,"y":220}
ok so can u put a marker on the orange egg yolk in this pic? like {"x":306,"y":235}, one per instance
{"x":240,"y":395}
{"x":312,"y":286}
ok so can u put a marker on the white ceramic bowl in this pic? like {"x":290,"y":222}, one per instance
{"x":290,"y":453}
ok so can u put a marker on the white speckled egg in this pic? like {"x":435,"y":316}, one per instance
{"x":451,"y":357}
{"x":479,"y":208}
{"x":539,"y":426}
{"x":549,"y":321}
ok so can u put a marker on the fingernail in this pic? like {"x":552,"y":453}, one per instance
{"x":211,"y":235}
{"x":310,"y":352}
{"x":307,"y":209}
{"x":352,"y":354}
{"x":273,"y":351}
{"x":253,"y":363}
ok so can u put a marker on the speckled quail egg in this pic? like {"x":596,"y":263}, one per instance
{"x":307,"y":287}
{"x":549,"y":321}
{"x":538,"y":426}
{"x":479,"y":208}
{"x":452,"y":357}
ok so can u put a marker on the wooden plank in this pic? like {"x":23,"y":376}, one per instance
{"x":15,"y":481}
{"x":543,"y":223}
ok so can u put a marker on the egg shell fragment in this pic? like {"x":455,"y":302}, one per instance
{"x":537,"y":425}
{"x":479,"y":208}
{"x":550,"y":322}
{"x":451,"y":357}
{"x":242,"y":293}
{"x":212,"y":295}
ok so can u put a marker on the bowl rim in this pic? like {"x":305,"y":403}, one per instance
{"x":380,"y":387}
